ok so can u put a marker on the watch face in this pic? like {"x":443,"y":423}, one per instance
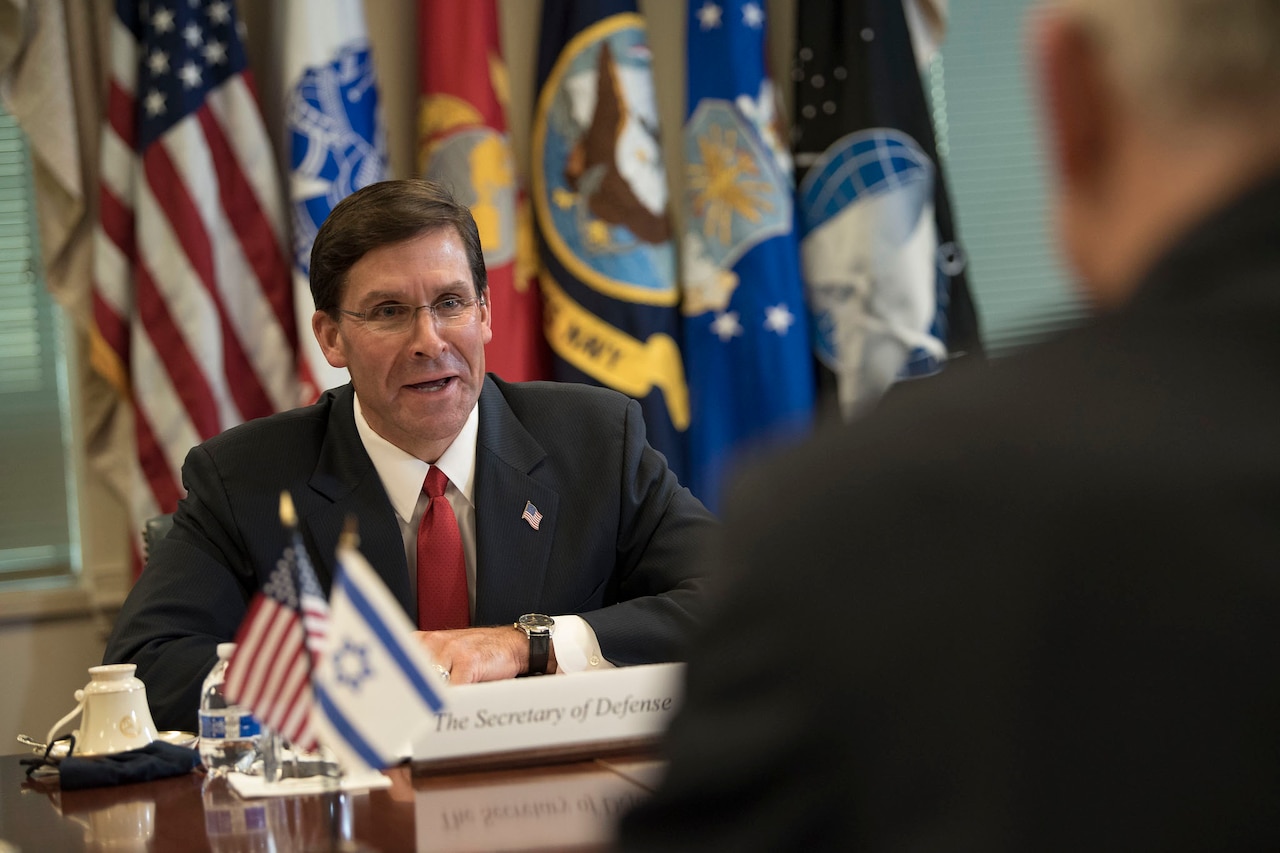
{"x":537,"y":622}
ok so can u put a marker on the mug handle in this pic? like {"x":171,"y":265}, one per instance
{"x":79,"y":696}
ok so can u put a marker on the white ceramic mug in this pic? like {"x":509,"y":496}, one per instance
{"x":116,"y":715}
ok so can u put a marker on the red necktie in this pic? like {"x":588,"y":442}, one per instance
{"x":442,"y":570}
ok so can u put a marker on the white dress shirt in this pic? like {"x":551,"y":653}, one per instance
{"x":402,"y":475}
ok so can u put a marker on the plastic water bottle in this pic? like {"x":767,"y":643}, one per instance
{"x":228,"y":733}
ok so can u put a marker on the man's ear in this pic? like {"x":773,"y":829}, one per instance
{"x":327,"y":335}
{"x":486,"y":316}
{"x":1079,"y":99}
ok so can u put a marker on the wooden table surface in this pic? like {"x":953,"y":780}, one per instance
{"x":564,"y":806}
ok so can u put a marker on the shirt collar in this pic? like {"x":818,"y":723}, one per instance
{"x":402,"y":473}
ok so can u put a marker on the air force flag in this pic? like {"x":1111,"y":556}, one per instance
{"x":334,"y":138}
{"x":375,"y":686}
{"x":747,"y":349}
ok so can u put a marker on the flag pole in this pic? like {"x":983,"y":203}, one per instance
{"x":272,"y":743}
{"x":350,"y":536}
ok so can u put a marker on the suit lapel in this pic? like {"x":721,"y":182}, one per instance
{"x":511,"y":556}
{"x":346,"y":483}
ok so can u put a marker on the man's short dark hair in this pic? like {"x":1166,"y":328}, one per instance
{"x":384,"y":214}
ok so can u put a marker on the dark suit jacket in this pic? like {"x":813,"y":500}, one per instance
{"x":1036,"y":608}
{"x":617,"y":544}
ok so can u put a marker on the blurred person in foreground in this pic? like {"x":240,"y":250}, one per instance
{"x":559,"y":510}
{"x":1038,"y":609}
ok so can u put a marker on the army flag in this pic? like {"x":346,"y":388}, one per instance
{"x":335,"y":142}
{"x":747,"y":349}
{"x":463,"y":143}
{"x":600,"y":204}
{"x":883,"y":266}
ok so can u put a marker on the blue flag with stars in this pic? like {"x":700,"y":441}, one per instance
{"x":747,"y":347}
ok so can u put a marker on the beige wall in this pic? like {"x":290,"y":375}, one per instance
{"x":46,"y":655}
{"x":45,"y":662}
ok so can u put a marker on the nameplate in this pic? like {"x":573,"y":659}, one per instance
{"x":551,"y":717}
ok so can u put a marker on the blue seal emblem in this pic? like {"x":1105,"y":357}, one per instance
{"x":336,"y":147}
{"x":600,"y":189}
{"x":734,"y":200}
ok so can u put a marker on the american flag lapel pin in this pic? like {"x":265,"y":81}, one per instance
{"x":531,"y":515}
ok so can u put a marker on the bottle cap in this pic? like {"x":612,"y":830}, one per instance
{"x":226,"y":650}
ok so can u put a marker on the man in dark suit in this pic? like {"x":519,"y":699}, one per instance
{"x":560,"y":514}
{"x":1038,"y":609}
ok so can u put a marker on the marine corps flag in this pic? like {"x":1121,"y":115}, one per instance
{"x":881,"y":260}
{"x":747,"y":347}
{"x":463,"y":144}
{"x":600,"y":200}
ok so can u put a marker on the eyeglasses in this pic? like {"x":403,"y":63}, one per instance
{"x":394,"y":317}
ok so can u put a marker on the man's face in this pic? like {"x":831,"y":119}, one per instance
{"x":416,"y":387}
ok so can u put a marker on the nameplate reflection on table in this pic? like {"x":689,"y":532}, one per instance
{"x":552,"y":807}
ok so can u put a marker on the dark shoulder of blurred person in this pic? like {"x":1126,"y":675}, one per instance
{"x":1037,"y":606}
{"x":1033,"y":606}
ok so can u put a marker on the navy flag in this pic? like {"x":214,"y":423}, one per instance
{"x":600,"y":204}
{"x":747,"y":344}
{"x":882,"y":263}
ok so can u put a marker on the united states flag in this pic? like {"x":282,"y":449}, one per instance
{"x":531,"y":515}
{"x":279,"y":645}
{"x":192,"y":302}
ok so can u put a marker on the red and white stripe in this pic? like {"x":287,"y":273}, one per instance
{"x":270,"y":671}
{"x":192,"y":287}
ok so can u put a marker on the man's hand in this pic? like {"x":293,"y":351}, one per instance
{"x":480,"y":654}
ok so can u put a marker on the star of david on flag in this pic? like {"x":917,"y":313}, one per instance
{"x":375,"y":686}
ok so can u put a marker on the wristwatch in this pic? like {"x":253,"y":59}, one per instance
{"x":538,"y":629}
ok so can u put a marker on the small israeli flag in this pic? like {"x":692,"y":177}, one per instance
{"x":375,"y":686}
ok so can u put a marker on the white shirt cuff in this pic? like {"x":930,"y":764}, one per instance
{"x":577,"y":649}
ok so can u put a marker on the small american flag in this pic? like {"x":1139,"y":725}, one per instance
{"x":531,"y":515}
{"x":279,"y":644}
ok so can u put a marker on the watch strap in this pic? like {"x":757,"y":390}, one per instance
{"x":539,"y":652}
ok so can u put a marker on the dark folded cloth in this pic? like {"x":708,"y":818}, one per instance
{"x":157,"y":760}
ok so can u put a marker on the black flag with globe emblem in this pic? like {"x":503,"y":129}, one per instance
{"x":883,"y":267}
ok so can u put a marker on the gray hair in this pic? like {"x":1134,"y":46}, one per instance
{"x":1185,"y":58}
